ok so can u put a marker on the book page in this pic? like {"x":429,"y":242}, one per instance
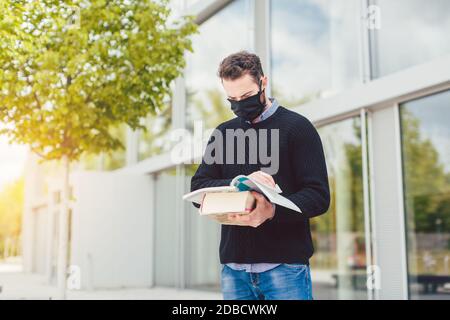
{"x":197,"y":195}
{"x":277,"y":198}
{"x":244,"y":183}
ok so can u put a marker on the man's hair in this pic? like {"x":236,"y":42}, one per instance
{"x":240,"y":63}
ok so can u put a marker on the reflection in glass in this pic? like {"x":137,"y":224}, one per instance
{"x":225,"y":33}
{"x":339,"y":261}
{"x":426,"y":168}
{"x":156,"y":139}
{"x":412,"y":32}
{"x":116,"y":159}
{"x":90,"y":162}
{"x":314,"y":47}
{"x":203,"y":239}
{"x":191,"y":2}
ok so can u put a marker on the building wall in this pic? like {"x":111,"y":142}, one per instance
{"x":111,"y":232}
{"x":376,"y":89}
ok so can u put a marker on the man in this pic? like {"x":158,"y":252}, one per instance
{"x":268,"y":257}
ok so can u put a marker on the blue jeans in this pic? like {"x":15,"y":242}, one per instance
{"x":285,"y":282}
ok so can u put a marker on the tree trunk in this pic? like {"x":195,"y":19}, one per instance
{"x":63,"y":240}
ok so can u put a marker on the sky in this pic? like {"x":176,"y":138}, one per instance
{"x":12,"y":161}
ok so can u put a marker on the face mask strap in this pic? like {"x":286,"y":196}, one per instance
{"x":260,"y":85}
{"x":260,"y":91}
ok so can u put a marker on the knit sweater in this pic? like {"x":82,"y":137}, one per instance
{"x":302,"y":176}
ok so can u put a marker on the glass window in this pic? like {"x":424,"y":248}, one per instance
{"x":108,"y":160}
{"x":156,"y":139}
{"x":426,"y":174}
{"x":338,"y":265}
{"x":166,"y":246}
{"x":191,"y":2}
{"x":411,"y":32}
{"x":116,"y":159}
{"x":203,"y":239}
{"x":90,"y":162}
{"x":226,"y":32}
{"x":314,"y":47}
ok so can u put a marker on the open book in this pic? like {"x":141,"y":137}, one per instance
{"x":244,"y":183}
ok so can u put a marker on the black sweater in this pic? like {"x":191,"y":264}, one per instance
{"x":302,"y":176}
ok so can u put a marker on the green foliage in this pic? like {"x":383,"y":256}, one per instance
{"x":69,"y":76}
{"x":325,"y":228}
{"x":426,"y":182}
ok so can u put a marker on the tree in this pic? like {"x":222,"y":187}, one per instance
{"x":425,"y":178}
{"x":73,"y":70}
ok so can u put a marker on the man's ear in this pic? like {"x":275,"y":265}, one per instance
{"x":264,"y":82}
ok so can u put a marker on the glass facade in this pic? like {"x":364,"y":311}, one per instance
{"x":426,"y":174}
{"x":314,"y":48}
{"x":116,"y":159}
{"x":315,"y":52}
{"x":206,"y":100}
{"x":107,"y":161}
{"x":156,"y":140}
{"x":191,"y":2}
{"x":339,"y":263}
{"x":411,"y":32}
{"x":317,"y":49}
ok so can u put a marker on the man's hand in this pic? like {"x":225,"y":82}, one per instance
{"x":263,"y":178}
{"x":264,"y":210}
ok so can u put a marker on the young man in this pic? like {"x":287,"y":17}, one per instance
{"x":268,"y":257}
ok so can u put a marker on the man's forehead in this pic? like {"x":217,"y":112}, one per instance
{"x":239,"y":87}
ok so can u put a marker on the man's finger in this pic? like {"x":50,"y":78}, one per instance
{"x":244,"y":218}
{"x":258,"y":196}
{"x":233,"y":215}
{"x":267,"y":177}
{"x":261,"y":179}
{"x":266,"y":180}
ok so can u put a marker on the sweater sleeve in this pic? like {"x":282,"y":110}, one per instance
{"x":310,"y":172}
{"x":208,"y":175}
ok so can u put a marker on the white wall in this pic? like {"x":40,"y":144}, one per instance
{"x":111,"y":230}
{"x":33,"y":194}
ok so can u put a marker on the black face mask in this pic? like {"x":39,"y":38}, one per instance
{"x":249,"y":108}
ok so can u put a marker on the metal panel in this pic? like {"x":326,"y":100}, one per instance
{"x":364,"y":44}
{"x":389,"y":252}
{"x":152,"y":228}
{"x":366,"y":191}
{"x":204,"y":9}
{"x":181,"y":226}
{"x":261,"y":23}
{"x":422,"y":79}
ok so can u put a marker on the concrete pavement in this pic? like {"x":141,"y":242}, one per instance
{"x":17,"y":285}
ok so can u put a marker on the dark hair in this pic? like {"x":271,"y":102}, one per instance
{"x":240,"y":63}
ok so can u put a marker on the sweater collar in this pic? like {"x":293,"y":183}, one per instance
{"x":268,"y":112}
